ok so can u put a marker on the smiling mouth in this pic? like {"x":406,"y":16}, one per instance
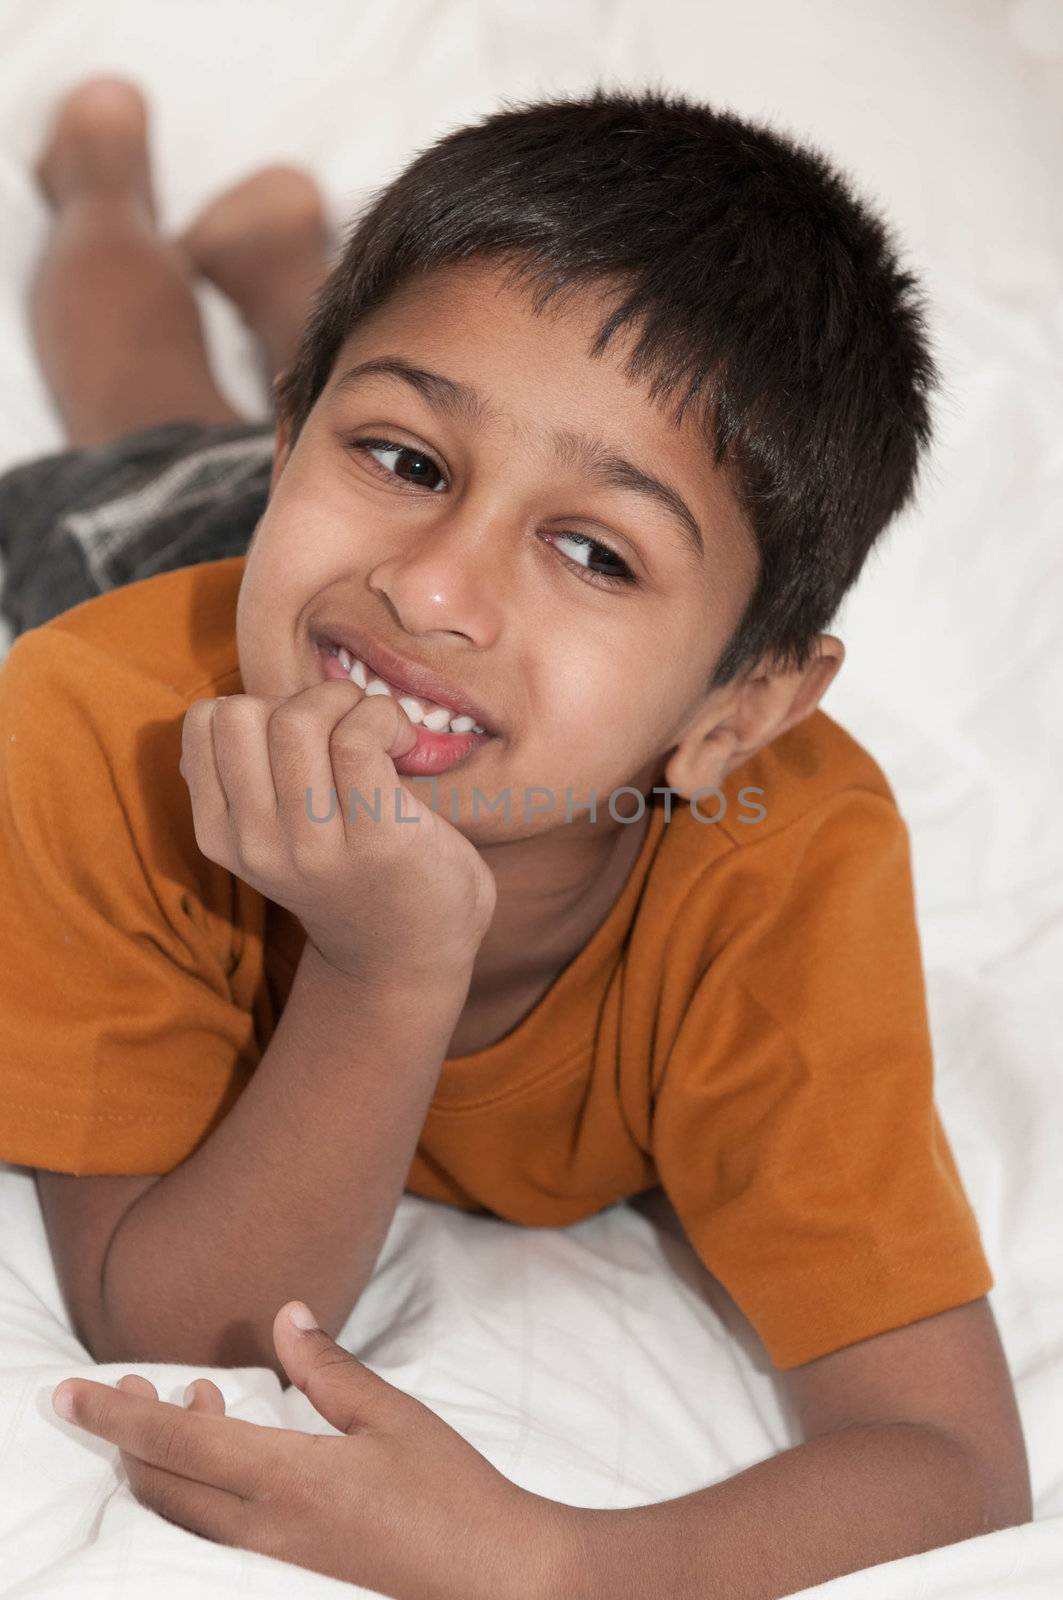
{"x":432,"y":716}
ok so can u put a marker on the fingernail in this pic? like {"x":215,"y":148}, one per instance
{"x":189,"y":1394}
{"x":301,"y":1316}
{"x":63,"y":1401}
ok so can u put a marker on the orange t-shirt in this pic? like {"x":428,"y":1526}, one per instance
{"x":747,"y":1027}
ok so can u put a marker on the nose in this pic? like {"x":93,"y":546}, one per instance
{"x":446,"y":579}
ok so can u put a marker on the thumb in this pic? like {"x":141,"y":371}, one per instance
{"x":346,"y":1393}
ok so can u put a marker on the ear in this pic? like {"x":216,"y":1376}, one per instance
{"x":740,"y":719}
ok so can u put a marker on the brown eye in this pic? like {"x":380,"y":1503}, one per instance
{"x":621,"y":577}
{"x":421,"y":467}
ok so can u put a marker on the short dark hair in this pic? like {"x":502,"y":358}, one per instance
{"x":752,"y":272}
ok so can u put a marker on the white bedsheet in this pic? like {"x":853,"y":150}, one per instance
{"x":600,"y":1364}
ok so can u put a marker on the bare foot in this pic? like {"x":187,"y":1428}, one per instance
{"x":266,"y":234}
{"x":98,"y":141}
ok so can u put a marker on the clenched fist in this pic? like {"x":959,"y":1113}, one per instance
{"x":378,"y":899}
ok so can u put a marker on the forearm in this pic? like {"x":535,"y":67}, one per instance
{"x":292,"y":1194}
{"x":839,"y":1503}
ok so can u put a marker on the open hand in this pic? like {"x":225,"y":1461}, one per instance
{"x":396,"y":1500}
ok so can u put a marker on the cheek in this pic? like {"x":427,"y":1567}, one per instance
{"x":574,"y":693}
{"x":592,"y":725}
{"x":312,"y":514}
{"x":625,"y":728}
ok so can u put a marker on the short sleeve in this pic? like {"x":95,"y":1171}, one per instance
{"x":794,"y":1126}
{"x":121,"y":1042}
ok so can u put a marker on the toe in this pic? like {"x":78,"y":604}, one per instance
{"x":270,"y":209}
{"x":98,"y":135}
{"x":106,"y":97}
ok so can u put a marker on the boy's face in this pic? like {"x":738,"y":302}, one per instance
{"x":461,"y":546}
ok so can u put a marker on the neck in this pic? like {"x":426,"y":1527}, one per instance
{"x":554,"y":892}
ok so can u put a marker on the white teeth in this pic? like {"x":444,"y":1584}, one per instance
{"x":413,"y":708}
{"x":438,"y":720}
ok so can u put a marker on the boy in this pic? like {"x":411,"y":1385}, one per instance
{"x":589,"y":431}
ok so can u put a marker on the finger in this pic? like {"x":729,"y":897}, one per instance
{"x":363,"y":749}
{"x":241,"y":755}
{"x":216,"y":1514}
{"x":328,"y":738}
{"x":210,"y":806}
{"x":133,"y":1383}
{"x":224,"y":1452}
{"x":202,"y":1395}
{"x":195,"y":1506}
{"x":336,"y":1383}
{"x":297,"y":736}
{"x":213,"y":1513}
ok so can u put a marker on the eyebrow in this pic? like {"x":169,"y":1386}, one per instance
{"x":592,"y":456}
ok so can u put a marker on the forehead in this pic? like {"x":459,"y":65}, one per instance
{"x":530,"y":379}
{"x":517,"y":359}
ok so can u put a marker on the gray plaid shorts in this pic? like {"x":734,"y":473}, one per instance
{"x":78,"y":523}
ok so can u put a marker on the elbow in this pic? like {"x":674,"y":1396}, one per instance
{"x":1009,"y":1503}
{"x":1000,"y":1488}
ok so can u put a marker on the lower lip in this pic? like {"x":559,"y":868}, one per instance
{"x":434,"y":752}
